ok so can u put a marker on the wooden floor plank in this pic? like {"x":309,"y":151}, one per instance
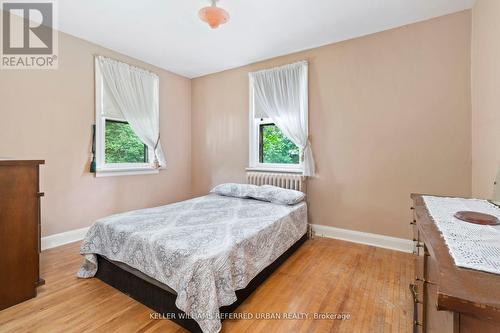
{"x":323,"y":276}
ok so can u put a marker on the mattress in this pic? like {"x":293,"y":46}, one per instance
{"x":204,"y":249}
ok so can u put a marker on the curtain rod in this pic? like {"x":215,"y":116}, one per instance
{"x":126,"y":63}
{"x":281,"y":66}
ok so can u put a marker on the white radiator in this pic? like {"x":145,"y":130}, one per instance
{"x":285,"y":180}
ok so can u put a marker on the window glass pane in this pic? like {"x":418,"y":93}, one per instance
{"x":122,"y":145}
{"x":275,"y":147}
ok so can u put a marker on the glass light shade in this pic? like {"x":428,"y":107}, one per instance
{"x":214,"y":16}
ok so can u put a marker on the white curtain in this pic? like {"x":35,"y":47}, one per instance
{"x":281,"y":94}
{"x":134,"y":92}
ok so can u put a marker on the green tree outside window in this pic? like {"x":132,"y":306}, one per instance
{"x":276,"y":147}
{"x":122,"y":145}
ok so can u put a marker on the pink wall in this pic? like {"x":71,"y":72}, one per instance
{"x":485,"y":96}
{"x":48,"y":115}
{"x":389,"y":115}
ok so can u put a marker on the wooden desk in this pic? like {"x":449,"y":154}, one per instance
{"x":448,"y":298}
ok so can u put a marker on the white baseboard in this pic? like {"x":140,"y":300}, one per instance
{"x":398,"y":244}
{"x":393,"y":243}
{"x":71,"y":236}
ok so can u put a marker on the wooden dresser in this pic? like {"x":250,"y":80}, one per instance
{"x":448,"y":298}
{"x":19,"y":231}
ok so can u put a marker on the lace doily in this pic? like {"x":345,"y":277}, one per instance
{"x":471,"y":245}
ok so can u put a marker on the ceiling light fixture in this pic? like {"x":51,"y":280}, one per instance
{"x":213,"y":15}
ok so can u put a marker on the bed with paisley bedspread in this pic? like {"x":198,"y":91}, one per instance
{"x":200,"y":257}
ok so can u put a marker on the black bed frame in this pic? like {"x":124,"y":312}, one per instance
{"x":163,"y":302}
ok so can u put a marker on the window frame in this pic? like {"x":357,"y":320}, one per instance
{"x":254,"y":144}
{"x":104,"y":169}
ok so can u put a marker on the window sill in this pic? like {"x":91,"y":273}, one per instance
{"x":113,"y":172}
{"x":272,"y":169}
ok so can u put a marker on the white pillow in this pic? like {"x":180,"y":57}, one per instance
{"x":279,"y":195}
{"x":236,"y":190}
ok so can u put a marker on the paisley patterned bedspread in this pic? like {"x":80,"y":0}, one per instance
{"x":204,"y":248}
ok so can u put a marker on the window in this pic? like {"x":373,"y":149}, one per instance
{"x":119,"y":151}
{"x":122,"y":145}
{"x":279,"y":101}
{"x":274,"y":147}
{"x":270,"y":149}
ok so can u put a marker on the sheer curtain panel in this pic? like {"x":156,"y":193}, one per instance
{"x":281,"y":94}
{"x":134,"y":93}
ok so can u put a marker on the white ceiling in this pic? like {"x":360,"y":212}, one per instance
{"x":169,"y":34}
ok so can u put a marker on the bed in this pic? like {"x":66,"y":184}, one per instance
{"x":194,"y":261}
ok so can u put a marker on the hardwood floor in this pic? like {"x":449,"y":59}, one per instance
{"x":323,"y":276}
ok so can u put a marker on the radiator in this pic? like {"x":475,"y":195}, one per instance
{"x":285,"y":180}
